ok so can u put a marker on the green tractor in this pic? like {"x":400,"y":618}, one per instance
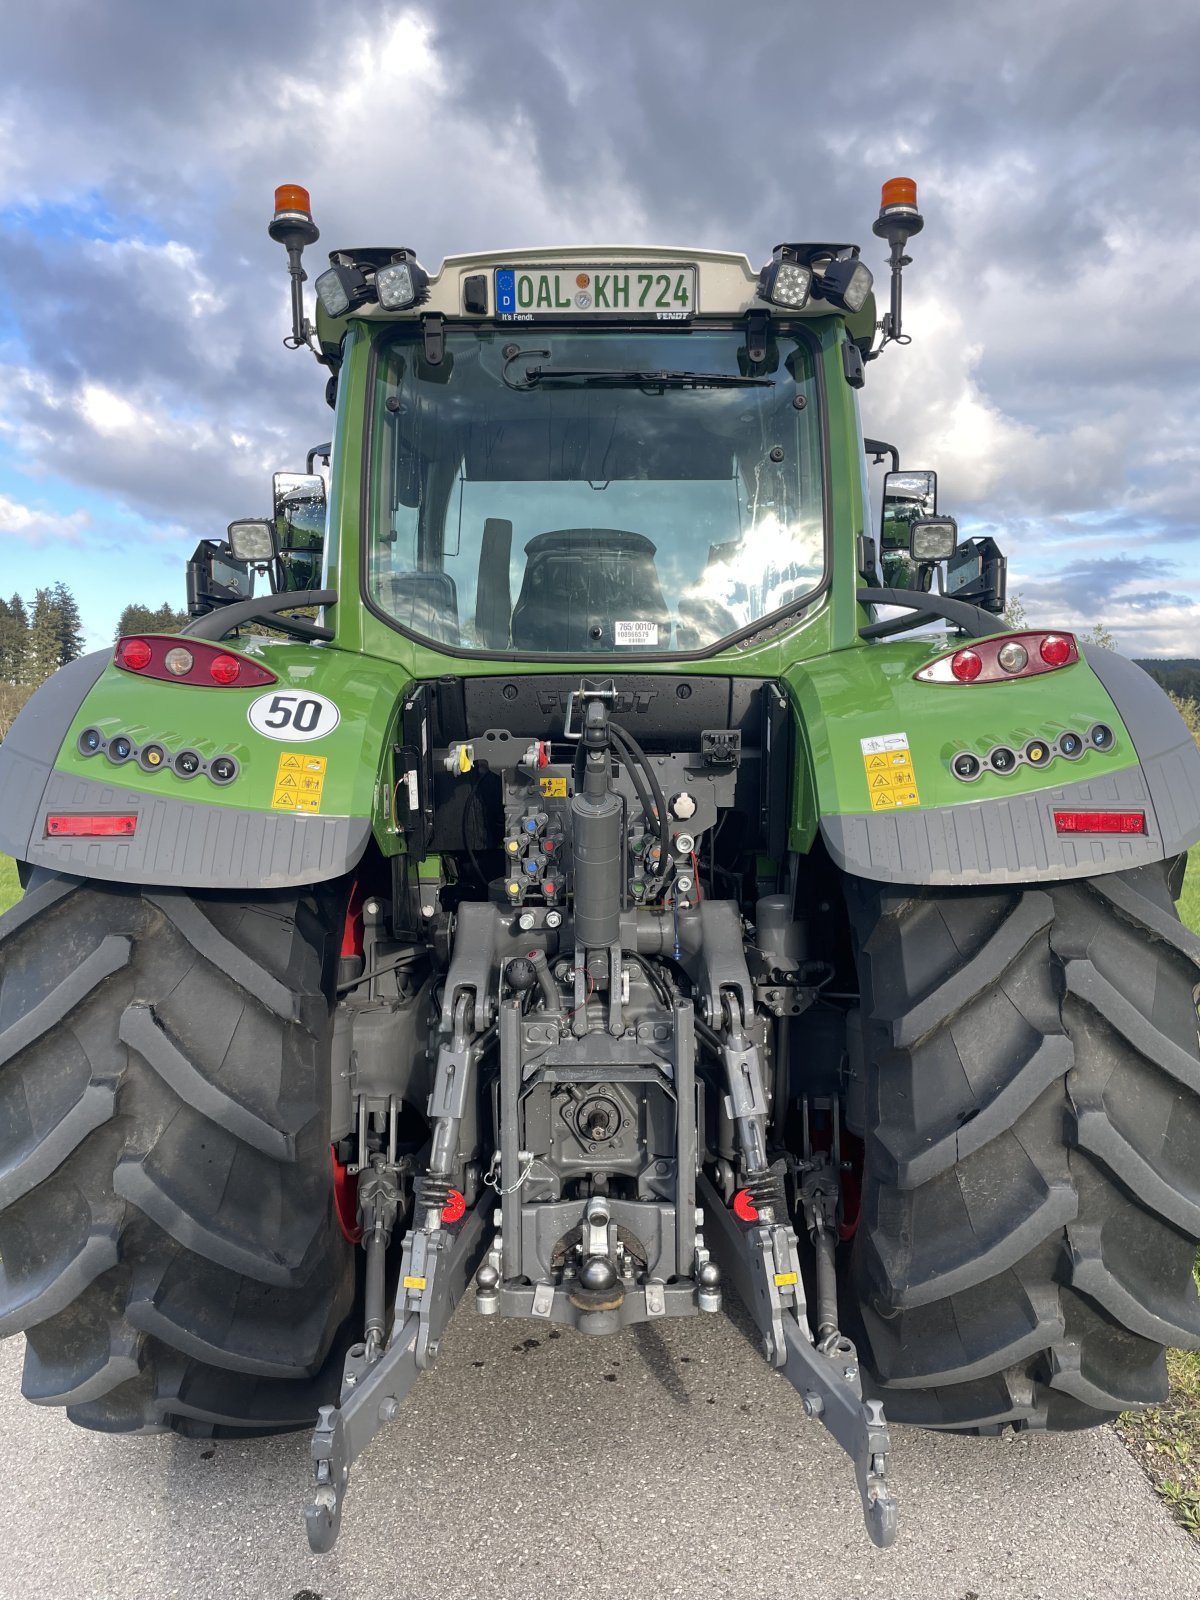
{"x":559,"y":859}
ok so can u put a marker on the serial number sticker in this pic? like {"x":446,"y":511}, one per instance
{"x":891,"y":779}
{"x":299,"y":780}
{"x":635,"y":632}
{"x":414,"y":1283}
{"x":553,"y":788}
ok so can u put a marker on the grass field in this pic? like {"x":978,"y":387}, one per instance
{"x":10,"y":889}
{"x":1189,"y":900}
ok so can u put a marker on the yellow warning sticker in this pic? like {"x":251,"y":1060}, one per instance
{"x":414,"y":1283}
{"x":299,"y":780}
{"x":891,"y":780}
{"x":785,"y":1280}
{"x":553,"y":788}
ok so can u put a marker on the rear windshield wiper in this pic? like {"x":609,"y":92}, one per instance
{"x":616,"y":377}
{"x":665,"y":379}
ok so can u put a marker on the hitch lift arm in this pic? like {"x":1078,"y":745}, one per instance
{"x":760,"y":1261}
{"x":435,"y":1271}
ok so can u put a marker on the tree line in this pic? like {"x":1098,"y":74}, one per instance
{"x":39,"y":636}
{"x":37,"y":639}
{"x":1179,"y":677}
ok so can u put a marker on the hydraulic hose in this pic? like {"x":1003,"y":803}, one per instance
{"x":551,"y":999}
{"x":641,"y":788}
{"x":629,"y":747}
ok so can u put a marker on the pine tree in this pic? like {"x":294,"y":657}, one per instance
{"x":6,"y":642}
{"x":14,"y":635}
{"x":20,"y":615}
{"x":70,"y":627}
{"x":45,"y":639}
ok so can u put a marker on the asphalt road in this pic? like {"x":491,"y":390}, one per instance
{"x":661,"y":1462}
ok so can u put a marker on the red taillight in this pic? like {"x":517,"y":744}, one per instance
{"x":94,"y":827}
{"x":225,"y":669}
{"x":1005,"y":659}
{"x":135,"y":654}
{"x":1100,"y":822}
{"x":743,"y":1207}
{"x":163,"y":656}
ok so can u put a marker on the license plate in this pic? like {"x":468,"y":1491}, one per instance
{"x":666,"y":294}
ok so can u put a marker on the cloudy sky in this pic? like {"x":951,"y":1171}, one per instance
{"x":1054,"y":373}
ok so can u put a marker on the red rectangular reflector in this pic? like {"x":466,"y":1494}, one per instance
{"x":104,"y":827}
{"x":1100,"y":821}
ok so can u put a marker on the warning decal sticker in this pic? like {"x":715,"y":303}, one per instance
{"x":891,"y":780}
{"x":299,"y":779}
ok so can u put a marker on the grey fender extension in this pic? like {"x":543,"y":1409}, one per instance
{"x":180,"y":842}
{"x":1012,"y":839}
{"x":184,"y":843}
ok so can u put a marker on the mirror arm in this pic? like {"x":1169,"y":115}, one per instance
{"x":221,"y":623}
{"x":880,"y":448}
{"x":972,"y":620}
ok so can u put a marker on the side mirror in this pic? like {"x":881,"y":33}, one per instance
{"x":932,"y":539}
{"x":252,"y":539}
{"x":299,"y":499}
{"x":299,"y":510}
{"x":907,"y":497}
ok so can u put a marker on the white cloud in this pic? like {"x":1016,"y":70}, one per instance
{"x":110,"y":414}
{"x":185,"y":473}
{"x":35,"y":525}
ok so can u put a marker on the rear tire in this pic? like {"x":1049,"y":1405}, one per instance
{"x":1031,"y":1201}
{"x":168,"y":1242}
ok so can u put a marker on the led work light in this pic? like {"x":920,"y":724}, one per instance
{"x":340,"y":287}
{"x":401,"y":283}
{"x":845,"y":283}
{"x":251,"y":539}
{"x":784,"y":281}
{"x":933,"y":538}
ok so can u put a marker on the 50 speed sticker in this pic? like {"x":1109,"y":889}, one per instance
{"x":299,"y":779}
{"x":293,"y":714}
{"x":891,"y":779}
